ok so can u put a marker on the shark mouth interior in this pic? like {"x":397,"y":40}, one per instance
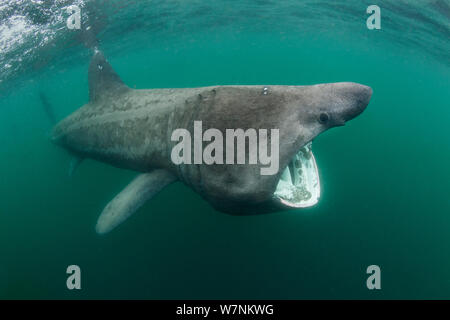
{"x":299,"y":185}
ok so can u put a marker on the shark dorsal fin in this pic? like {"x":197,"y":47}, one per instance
{"x":102,"y":78}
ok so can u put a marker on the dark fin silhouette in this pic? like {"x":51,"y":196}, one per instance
{"x":95,"y":20}
{"x":88,"y":38}
{"x":74,"y":164}
{"x":48,"y":108}
{"x":103,"y":80}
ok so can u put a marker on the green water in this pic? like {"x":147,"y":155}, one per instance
{"x":385,"y":175}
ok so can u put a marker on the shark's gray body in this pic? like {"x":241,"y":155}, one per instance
{"x":132,"y":129}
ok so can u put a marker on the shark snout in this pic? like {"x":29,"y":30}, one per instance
{"x":364,"y":94}
{"x":358,"y":97}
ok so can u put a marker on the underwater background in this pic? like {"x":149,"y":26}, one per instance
{"x":385,"y":176}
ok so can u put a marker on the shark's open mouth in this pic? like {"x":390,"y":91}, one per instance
{"x":299,"y":185}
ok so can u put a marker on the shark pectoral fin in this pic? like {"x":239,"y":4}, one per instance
{"x":130,"y":199}
{"x":74,"y":164}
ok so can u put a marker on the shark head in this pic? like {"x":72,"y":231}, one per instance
{"x":315,"y":110}
{"x":300,"y":113}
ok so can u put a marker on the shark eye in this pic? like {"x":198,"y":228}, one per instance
{"x":323,"y":118}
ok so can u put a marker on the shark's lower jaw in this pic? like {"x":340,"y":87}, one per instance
{"x":299,"y":184}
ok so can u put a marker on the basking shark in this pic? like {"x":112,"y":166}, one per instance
{"x":131,"y":129}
